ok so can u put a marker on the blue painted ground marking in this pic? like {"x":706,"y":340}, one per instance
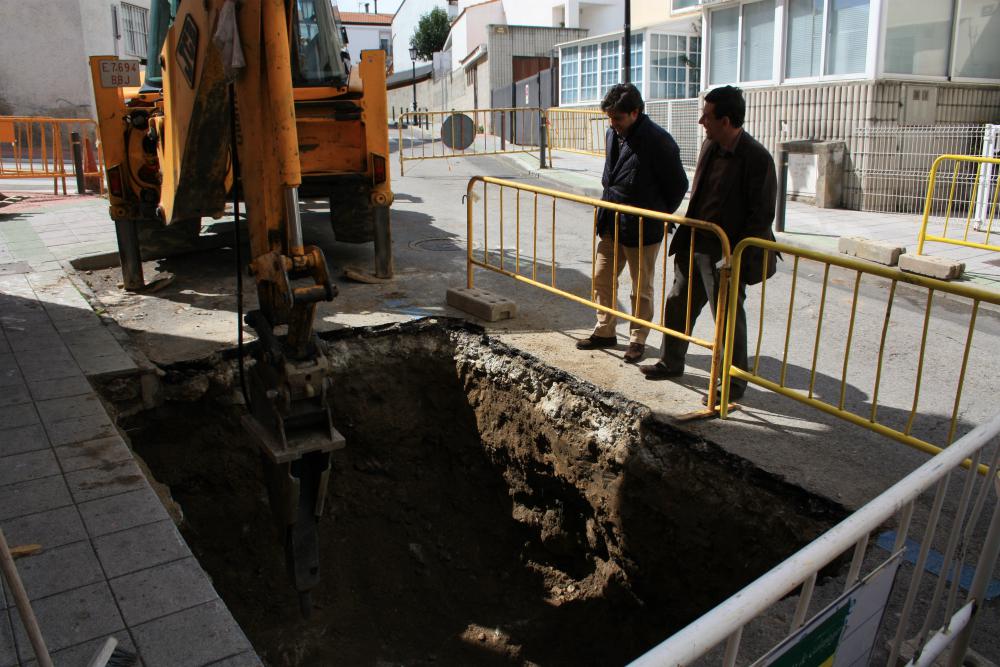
{"x":935,"y":560}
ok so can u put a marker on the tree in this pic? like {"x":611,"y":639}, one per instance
{"x":431,"y":33}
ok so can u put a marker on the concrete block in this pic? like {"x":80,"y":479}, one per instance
{"x":43,"y":390}
{"x":107,"y":480}
{"x":880,"y":252}
{"x":92,"y":453}
{"x":23,"y":439}
{"x":848,"y":245}
{"x":15,"y":394}
{"x":162,"y":590}
{"x":120,"y":512}
{"x":14,"y":416}
{"x":51,"y":529}
{"x":209,"y":631}
{"x":34,"y":496}
{"x":71,"y":618}
{"x":8,"y":655}
{"x":140,"y":548}
{"x":28,"y":466}
{"x":80,"y":429}
{"x":60,"y":409}
{"x":934,"y":267}
{"x":481,"y":304}
{"x":64,"y":568}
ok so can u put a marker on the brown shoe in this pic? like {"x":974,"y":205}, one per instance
{"x":660,"y":371}
{"x":593,"y":342}
{"x":634,"y":353}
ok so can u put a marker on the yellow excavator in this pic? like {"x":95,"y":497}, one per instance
{"x":255,"y":101}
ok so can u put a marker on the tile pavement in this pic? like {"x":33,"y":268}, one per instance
{"x":112,"y":562}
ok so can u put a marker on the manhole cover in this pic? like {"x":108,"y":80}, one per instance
{"x":437,"y":245}
{"x":458,"y":132}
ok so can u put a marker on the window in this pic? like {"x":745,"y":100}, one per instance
{"x":805,"y":38}
{"x":683,"y":4}
{"x":724,"y":26}
{"x":758,"y":42}
{"x":135,"y":20}
{"x":847,"y":37}
{"x":385,"y":41}
{"x":588,"y":72}
{"x":635,"y":53}
{"x":976,"y":37}
{"x":610,"y":66}
{"x":916,"y":38}
{"x":568,"y":75}
{"x":674,"y":70}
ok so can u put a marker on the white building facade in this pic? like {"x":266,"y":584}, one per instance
{"x":45,"y":72}
{"x":368,"y":32}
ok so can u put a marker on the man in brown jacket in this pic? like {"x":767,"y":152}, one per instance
{"x":735,"y":187}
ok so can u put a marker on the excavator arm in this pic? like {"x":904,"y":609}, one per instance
{"x":219,"y":53}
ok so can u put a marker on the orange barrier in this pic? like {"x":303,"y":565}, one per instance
{"x":41,"y":148}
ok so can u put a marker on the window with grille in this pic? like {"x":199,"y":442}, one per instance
{"x":135,"y":21}
{"x":588,"y":72}
{"x":568,"y":70}
{"x":674,"y":66}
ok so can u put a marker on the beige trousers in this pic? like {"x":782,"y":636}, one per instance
{"x":604,"y":278}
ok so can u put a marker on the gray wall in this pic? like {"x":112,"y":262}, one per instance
{"x":506,"y":41}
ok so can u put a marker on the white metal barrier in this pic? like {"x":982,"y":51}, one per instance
{"x":725,"y":623}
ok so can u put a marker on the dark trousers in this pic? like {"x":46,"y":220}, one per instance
{"x":704,"y":288}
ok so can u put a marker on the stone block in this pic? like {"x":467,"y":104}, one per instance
{"x":848,"y":245}
{"x":22,"y":439}
{"x":92,"y":453}
{"x":8,"y":655}
{"x":71,"y":618}
{"x":33,"y":496}
{"x":140,"y":548}
{"x":934,"y":267}
{"x":51,"y":528}
{"x":64,"y":568}
{"x":880,"y":252}
{"x":199,"y":636}
{"x":120,"y":512}
{"x":14,"y":416}
{"x":108,"y":479}
{"x":43,"y":390}
{"x":15,"y":394}
{"x":481,"y":304}
{"x":162,"y":590}
{"x":60,"y":409}
{"x":28,"y":466}
{"x":80,"y":429}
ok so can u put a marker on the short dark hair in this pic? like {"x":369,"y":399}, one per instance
{"x":622,"y":98}
{"x":728,"y":101}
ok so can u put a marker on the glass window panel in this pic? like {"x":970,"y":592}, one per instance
{"x":758,"y":41}
{"x":847,"y":37}
{"x":805,"y":35}
{"x":568,"y":63}
{"x":635,"y":53}
{"x":684,"y":4}
{"x":610,"y":66}
{"x":917,"y":37}
{"x":725,"y":44}
{"x":976,"y":38}
{"x":588,"y":72}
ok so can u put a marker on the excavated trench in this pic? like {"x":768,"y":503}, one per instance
{"x":487,"y":509}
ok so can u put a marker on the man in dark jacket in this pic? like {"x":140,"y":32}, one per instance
{"x":642,"y":168}
{"x":735,"y":187}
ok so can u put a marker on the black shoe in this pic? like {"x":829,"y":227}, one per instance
{"x":596,"y":342}
{"x":660,"y":371}
{"x":634,"y":353}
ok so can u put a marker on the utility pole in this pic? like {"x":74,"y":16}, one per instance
{"x":627,"y":47}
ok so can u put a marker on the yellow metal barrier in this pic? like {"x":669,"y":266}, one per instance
{"x":807,"y":395}
{"x":40,"y":148}
{"x":450,"y":134}
{"x":969,"y":195}
{"x":535,"y":198}
{"x":576,"y":130}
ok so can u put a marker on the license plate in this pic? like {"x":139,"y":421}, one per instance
{"x":119,"y":73}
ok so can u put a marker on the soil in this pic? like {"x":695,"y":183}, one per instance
{"x":487,"y":510}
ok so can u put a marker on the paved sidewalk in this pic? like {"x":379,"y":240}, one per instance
{"x":805,"y":224}
{"x":112,"y":562}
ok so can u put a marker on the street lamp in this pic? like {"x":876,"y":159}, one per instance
{"x":413,"y":65}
